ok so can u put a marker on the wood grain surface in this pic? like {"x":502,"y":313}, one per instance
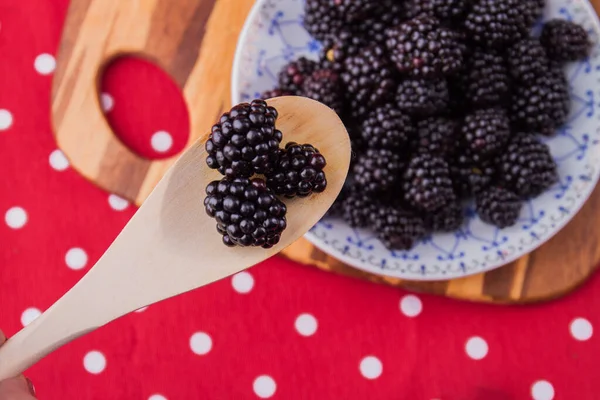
{"x":189,"y":40}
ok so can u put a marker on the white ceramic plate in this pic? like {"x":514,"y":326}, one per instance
{"x":274,"y":34}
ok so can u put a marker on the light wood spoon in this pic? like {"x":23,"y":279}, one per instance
{"x":171,"y":246}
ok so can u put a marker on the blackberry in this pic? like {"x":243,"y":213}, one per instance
{"x":397,"y":228}
{"x":358,"y":208}
{"x":486,"y":132}
{"x":246,"y":211}
{"x":436,"y":136}
{"x":496,"y":23}
{"x":527,"y":60}
{"x":527,"y":167}
{"x":423,"y":98}
{"x":487,"y":81}
{"x":423,"y":49}
{"x":337,"y":48}
{"x":565,"y":41}
{"x":448,"y":219}
{"x":354,"y":10}
{"x":445,"y":10}
{"x":377,"y":170}
{"x":292,"y":76}
{"x":427,"y":184}
{"x":369,"y":79}
{"x":532,"y":10}
{"x":387,"y":127}
{"x":499,"y":207}
{"x":325,"y":86}
{"x":244,"y":141}
{"x":269,"y":94}
{"x":299,"y":171}
{"x":321,"y":20}
{"x":471,"y":174}
{"x":542,"y":106}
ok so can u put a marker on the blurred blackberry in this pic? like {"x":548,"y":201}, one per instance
{"x":325,"y":86}
{"x":499,"y":207}
{"x":486,"y":132}
{"x":496,"y":23}
{"x":542,"y":106}
{"x":532,"y":10}
{"x":436,"y":136}
{"x":448,"y":219}
{"x":427,"y":184}
{"x":471,"y":174}
{"x":358,"y":208}
{"x":247,"y":212}
{"x":292,"y":76}
{"x":487,"y":81}
{"x":387,"y":127}
{"x":337,"y":48}
{"x":397,"y":228}
{"x":423,"y":49}
{"x":446,"y":10}
{"x":321,"y":20}
{"x":565,"y":41}
{"x":244,"y":141}
{"x":337,"y":209}
{"x":527,"y":60}
{"x":269,"y":94}
{"x":390,"y":13}
{"x":369,"y":79}
{"x":299,"y":171}
{"x":527,"y":167}
{"x":377,"y":170}
{"x":421,"y":97}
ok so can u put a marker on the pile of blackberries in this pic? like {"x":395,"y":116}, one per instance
{"x":444,"y":101}
{"x":245,"y":142}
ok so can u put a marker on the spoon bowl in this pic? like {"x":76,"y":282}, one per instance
{"x":171,"y":246}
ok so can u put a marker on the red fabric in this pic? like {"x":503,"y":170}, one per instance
{"x":253,"y":334}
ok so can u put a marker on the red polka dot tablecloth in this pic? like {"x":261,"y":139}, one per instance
{"x":276,"y":331}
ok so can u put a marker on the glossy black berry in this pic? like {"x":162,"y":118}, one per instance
{"x":527,"y":60}
{"x":527,"y":167}
{"x":423,"y":49}
{"x":423,"y":98}
{"x":244,"y":141}
{"x":246,"y":211}
{"x":486,"y":132}
{"x":387,"y":127}
{"x":321,"y":20}
{"x":377,"y":170}
{"x":498,"y":207}
{"x":427,"y":184}
{"x":325,"y":86}
{"x":358,"y":208}
{"x":292,"y":75}
{"x":299,"y":171}
{"x":565,"y":40}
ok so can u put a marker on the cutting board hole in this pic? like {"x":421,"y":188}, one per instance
{"x":144,"y":107}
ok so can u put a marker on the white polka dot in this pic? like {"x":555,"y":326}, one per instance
{"x":476,"y":348}
{"x":371,"y":367}
{"x":581,"y":329}
{"x":94,"y":362}
{"x":306,"y":324}
{"x":242,"y":282}
{"x":45,"y":64}
{"x":542,"y":390}
{"x":139,"y":310}
{"x":15,"y":217}
{"x":29,"y":315}
{"x":58,"y":161}
{"x":161,"y":141}
{"x":108,"y":102}
{"x":6,"y":119}
{"x":264,"y":386}
{"x":157,"y":397}
{"x":411,"y":305}
{"x":200,"y":343}
{"x":117,"y":203}
{"x":76,"y":258}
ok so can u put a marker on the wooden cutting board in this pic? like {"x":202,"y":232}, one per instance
{"x":194,"y":42}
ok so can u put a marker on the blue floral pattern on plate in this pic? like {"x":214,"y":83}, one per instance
{"x":274,"y":34}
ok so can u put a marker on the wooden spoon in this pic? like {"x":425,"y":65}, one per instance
{"x":171,"y":246}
